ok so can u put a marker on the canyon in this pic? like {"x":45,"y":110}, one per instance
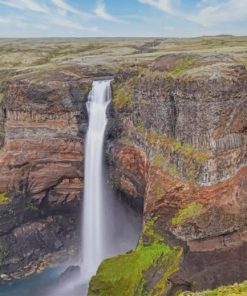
{"x":176,"y":150}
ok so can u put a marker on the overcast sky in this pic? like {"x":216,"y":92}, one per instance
{"x":128,"y":18}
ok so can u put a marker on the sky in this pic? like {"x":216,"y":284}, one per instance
{"x":122,"y":18}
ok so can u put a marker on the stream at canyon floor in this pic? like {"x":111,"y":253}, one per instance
{"x":29,"y":286}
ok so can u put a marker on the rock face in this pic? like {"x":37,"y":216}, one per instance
{"x":182,"y":145}
{"x":177,"y":147}
{"x":41,"y":168}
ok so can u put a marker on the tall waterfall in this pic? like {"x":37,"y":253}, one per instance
{"x":110,"y":227}
{"x":93,"y":231}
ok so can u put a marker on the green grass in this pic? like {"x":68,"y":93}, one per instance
{"x":182,"y":65}
{"x":234,"y":290}
{"x":199,"y":157}
{"x":122,"y":97}
{"x":192,"y":210}
{"x":4,"y":199}
{"x":128,"y":274}
{"x":178,"y":145}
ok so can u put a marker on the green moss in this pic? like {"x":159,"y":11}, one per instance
{"x":234,"y":290}
{"x":129,"y":274}
{"x":123,"y":274}
{"x":122,"y":93}
{"x":174,"y":145}
{"x":199,"y":157}
{"x":188,"y":149}
{"x":149,"y":232}
{"x":178,"y":145}
{"x":192,"y":210}
{"x":121,"y":97}
{"x":4,"y":199}
{"x":172,"y":169}
{"x":159,"y":160}
{"x":182,"y":65}
{"x":1,"y":97}
{"x":87,"y":88}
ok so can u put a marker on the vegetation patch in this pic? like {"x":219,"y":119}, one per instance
{"x":172,"y":169}
{"x":175,"y":145}
{"x":234,"y":290}
{"x":1,"y":97}
{"x":122,"y":93}
{"x":150,"y":73}
{"x":182,"y":65}
{"x":168,"y":148}
{"x":199,"y":156}
{"x":129,"y":274}
{"x":159,"y":160}
{"x":4,"y":199}
{"x":192,"y":210}
{"x":87,"y":88}
{"x":122,"y":96}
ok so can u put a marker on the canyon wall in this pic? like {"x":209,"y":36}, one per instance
{"x":181,"y":147}
{"x":176,"y":148}
{"x":41,"y":181}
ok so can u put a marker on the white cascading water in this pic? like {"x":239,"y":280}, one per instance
{"x":109,"y":227}
{"x":93,"y":231}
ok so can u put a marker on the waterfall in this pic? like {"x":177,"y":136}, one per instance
{"x":94,"y":235}
{"x":109,"y":226}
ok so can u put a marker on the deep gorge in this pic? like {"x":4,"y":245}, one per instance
{"x":176,"y":152}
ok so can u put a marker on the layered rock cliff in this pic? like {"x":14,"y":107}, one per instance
{"x":176,"y":146}
{"x":181,"y":148}
{"x":41,"y":169}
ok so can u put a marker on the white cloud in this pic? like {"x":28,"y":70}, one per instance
{"x":26,"y":5}
{"x":13,"y":20}
{"x":165,"y":5}
{"x":225,"y":13}
{"x":4,"y":20}
{"x":65,"y":23}
{"x":101,"y":12}
{"x":65,"y":7}
{"x":210,"y":13}
{"x":41,"y":27}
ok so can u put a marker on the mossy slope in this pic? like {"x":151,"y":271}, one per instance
{"x":233,"y":290}
{"x":192,"y":210}
{"x":143,"y":271}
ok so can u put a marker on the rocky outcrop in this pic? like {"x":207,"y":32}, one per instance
{"x":41,"y":168}
{"x":181,"y":145}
